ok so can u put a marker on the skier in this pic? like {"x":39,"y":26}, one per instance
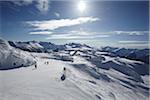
{"x":21,"y":65}
{"x":63,"y":77}
{"x":14,"y":63}
{"x":35,"y":65}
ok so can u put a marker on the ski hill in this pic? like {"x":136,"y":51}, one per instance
{"x":91,"y":74}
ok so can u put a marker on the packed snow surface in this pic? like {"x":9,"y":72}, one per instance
{"x":83,"y":81}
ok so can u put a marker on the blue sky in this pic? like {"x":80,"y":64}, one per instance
{"x":98,"y":23}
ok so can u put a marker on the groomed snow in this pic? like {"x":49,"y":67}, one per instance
{"x":43,"y":83}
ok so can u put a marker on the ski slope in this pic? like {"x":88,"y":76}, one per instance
{"x":83,"y":81}
{"x":39,"y":84}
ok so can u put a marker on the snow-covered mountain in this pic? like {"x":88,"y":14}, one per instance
{"x":34,"y":46}
{"x":11,"y":57}
{"x":91,"y":74}
{"x":135,"y":54}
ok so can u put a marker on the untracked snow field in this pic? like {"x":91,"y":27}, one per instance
{"x":44,"y":83}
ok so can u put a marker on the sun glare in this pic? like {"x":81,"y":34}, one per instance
{"x":81,"y":6}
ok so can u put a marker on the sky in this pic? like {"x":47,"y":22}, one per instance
{"x":93,"y":22}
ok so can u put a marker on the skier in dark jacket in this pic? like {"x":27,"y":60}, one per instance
{"x":63,"y":77}
{"x":35,"y":65}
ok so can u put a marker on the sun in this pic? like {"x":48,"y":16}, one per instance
{"x":81,"y":6}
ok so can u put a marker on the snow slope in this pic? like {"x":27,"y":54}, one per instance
{"x":11,"y":57}
{"x":27,"y":46}
{"x":90,"y":75}
{"x":135,"y":54}
{"x":84,"y":80}
{"x":34,"y":46}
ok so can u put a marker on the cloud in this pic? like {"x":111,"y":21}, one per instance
{"x":130,"y":32}
{"x":57,"y":14}
{"x":22,"y":2}
{"x":135,"y":42}
{"x":144,"y":45}
{"x":69,"y":37}
{"x":81,"y":32}
{"x":41,"y":5}
{"x":41,"y":33}
{"x":77,"y":35}
{"x":55,"y":24}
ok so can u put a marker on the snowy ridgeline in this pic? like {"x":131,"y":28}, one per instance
{"x":11,"y":57}
{"x":34,"y":46}
{"x":135,"y":54}
{"x":91,"y":74}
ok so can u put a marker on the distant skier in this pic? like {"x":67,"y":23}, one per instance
{"x":35,"y":65}
{"x":14,"y":64}
{"x":63,"y":77}
{"x":22,"y":65}
{"x":47,"y":62}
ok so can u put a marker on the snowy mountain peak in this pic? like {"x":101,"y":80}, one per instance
{"x":4,"y":45}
